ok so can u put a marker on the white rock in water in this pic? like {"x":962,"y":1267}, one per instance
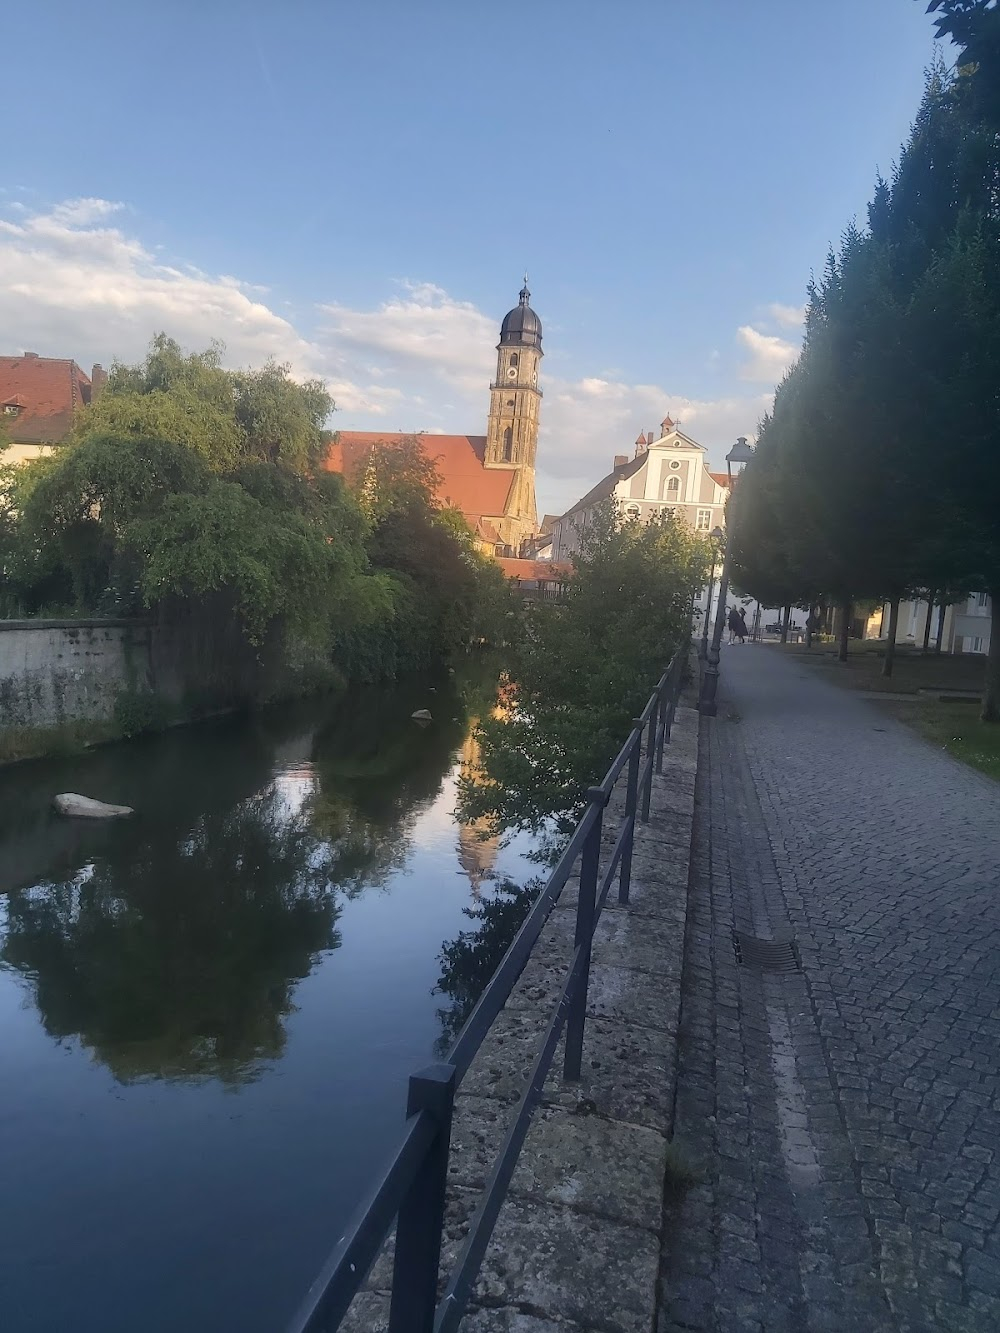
{"x":84,"y":807}
{"x":421,"y":715}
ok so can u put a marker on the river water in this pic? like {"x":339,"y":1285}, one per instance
{"x":208,"y":1013}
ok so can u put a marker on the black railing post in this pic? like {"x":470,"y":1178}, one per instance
{"x":631,"y":800}
{"x":647,"y":786}
{"x":421,"y":1214}
{"x":663,"y":731}
{"x":585,"y":906}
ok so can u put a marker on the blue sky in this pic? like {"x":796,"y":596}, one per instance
{"x":357,"y":188}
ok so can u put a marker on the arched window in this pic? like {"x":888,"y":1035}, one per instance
{"x":514,"y":360}
{"x":508,"y":445}
{"x":673,"y":489}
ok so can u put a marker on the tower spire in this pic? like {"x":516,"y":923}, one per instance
{"x":525,"y":295}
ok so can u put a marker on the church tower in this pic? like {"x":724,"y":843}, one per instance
{"x":515,"y":399}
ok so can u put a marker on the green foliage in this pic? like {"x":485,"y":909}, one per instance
{"x":138,"y":712}
{"x":877,"y":474}
{"x":432,"y":592}
{"x":196,"y":493}
{"x":585,"y":668}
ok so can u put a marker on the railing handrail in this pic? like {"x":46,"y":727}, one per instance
{"x":412,"y":1185}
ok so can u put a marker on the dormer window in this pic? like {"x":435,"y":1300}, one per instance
{"x":11,"y":409}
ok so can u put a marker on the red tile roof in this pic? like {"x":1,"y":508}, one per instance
{"x":465,"y":482}
{"x":48,"y":391}
{"x":535,"y":569}
{"x":722,"y":478}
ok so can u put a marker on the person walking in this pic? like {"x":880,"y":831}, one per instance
{"x":734,"y":623}
{"x":742,"y":631}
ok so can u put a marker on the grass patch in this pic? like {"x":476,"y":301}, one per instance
{"x":17,"y":743}
{"x":912,"y":669}
{"x":955,"y":727}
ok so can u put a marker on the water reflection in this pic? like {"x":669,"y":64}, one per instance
{"x":171,"y":946}
{"x":179,"y":960}
{"x":470,"y":959}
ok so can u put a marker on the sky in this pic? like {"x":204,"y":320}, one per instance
{"x":357,"y":188}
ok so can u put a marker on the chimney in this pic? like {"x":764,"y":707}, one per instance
{"x":652,"y":437}
{"x":31,"y":356}
{"x":621,"y":460}
{"x":98,"y":379}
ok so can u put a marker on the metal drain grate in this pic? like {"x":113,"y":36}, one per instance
{"x":765,"y":955}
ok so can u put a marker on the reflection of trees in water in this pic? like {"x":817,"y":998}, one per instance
{"x":469,"y":960}
{"x":176,"y":955}
{"x":179,"y":961}
{"x":376,"y":771}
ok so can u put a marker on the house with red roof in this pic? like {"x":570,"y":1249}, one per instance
{"x":39,"y":397}
{"x":491,"y":477}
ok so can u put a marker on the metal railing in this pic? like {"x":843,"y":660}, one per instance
{"x":412,"y":1185}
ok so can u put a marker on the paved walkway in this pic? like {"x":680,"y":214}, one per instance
{"x":848,"y":1114}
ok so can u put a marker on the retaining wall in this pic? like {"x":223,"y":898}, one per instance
{"x":57,"y":671}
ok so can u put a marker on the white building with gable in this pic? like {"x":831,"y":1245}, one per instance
{"x":665,"y":473}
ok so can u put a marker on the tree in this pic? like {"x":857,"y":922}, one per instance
{"x":582,"y":670}
{"x":848,"y":465}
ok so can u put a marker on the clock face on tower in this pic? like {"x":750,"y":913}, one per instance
{"x":512,"y":372}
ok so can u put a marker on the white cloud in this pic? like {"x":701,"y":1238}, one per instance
{"x":424,"y":331}
{"x":75,"y":282}
{"x":769,"y":356}
{"x":71,"y":285}
{"x":787,"y":316}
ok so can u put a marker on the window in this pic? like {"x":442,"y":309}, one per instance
{"x":675,"y":464}
{"x":982,"y":599}
{"x":977,"y":645}
{"x":10,"y":409}
{"x":703,"y":521}
{"x":632,"y":512}
{"x":514,"y":360}
{"x":508,"y":445}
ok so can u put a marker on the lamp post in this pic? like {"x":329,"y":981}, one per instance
{"x":736,"y":460}
{"x":716,"y":537}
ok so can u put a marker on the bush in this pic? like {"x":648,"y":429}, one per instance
{"x":140,"y":711}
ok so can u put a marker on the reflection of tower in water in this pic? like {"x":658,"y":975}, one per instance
{"x":477,"y":848}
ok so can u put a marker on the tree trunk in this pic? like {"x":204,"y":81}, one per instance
{"x":890,"y":647}
{"x":809,"y":625}
{"x":940,"y":628}
{"x":845,"y":629}
{"x":991,"y":694}
{"x":931,"y":594}
{"x":784,"y":624}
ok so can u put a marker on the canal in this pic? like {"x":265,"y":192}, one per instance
{"x":208,"y":1013}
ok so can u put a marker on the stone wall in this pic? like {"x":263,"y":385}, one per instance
{"x":58,"y":671}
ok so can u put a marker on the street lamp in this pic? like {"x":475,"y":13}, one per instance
{"x":716,"y":537}
{"x":736,"y":460}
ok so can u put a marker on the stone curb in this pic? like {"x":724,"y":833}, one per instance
{"x":576,"y":1246}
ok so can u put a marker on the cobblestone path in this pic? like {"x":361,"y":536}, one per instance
{"x":847,"y":1115}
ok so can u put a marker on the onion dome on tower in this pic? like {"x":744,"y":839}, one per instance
{"x":521,"y":327}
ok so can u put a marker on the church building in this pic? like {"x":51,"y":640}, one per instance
{"x":491,"y":477}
